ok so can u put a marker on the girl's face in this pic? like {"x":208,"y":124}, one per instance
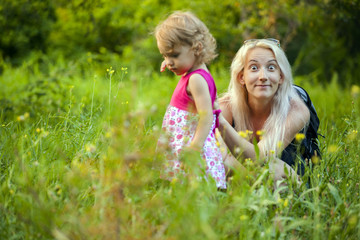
{"x":261,"y":75}
{"x":181,"y":59}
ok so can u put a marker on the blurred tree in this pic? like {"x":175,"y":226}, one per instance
{"x":327,"y":41}
{"x":24,"y":26}
{"x":318,"y":36}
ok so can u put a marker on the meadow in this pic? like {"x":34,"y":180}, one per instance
{"x":78,"y":161}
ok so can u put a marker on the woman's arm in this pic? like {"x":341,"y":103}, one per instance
{"x":296,"y":120}
{"x":239,"y":146}
{"x":199,"y":91}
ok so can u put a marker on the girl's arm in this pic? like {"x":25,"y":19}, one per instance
{"x":199,"y":91}
{"x":296,"y":120}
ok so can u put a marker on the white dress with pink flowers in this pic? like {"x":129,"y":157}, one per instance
{"x":179,"y":126}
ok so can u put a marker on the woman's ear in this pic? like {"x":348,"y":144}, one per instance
{"x":240,"y":78}
{"x":281,"y":78}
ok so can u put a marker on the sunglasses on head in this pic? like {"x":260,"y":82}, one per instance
{"x":277,"y":42}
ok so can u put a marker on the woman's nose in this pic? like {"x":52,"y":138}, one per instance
{"x":263,"y":74}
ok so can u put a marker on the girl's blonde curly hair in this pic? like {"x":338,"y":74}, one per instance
{"x":185,"y":28}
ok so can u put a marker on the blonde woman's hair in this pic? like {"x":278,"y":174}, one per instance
{"x":185,"y":28}
{"x":236,"y":97}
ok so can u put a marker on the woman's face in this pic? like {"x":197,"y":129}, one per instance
{"x":261,"y":75}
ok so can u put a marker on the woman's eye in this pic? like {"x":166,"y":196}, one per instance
{"x":271,"y":67}
{"x":253,"y":67}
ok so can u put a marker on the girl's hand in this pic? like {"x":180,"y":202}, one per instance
{"x":163,"y":66}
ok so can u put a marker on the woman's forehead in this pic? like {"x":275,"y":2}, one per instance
{"x":259,"y":53}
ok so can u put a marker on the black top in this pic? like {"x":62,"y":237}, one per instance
{"x":295,"y":154}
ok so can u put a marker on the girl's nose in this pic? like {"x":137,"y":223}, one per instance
{"x":169,"y":62}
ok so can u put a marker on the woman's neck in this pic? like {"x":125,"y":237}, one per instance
{"x":259,"y":113}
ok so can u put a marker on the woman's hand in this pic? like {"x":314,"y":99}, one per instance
{"x":277,"y":168}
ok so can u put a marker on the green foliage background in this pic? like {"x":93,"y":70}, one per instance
{"x":77,"y":141}
{"x":319,"y":37}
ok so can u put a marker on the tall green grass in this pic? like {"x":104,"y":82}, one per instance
{"x":78,"y":161}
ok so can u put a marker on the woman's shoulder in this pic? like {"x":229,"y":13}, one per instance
{"x":298,"y":106}
{"x":225,"y":107}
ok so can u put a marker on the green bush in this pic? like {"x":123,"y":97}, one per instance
{"x":24,"y":26}
{"x":318,"y":37}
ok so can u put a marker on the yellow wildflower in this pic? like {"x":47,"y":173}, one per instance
{"x":315,"y":159}
{"x":243,"y":134}
{"x":38,"y":130}
{"x":44,"y":133}
{"x":259,"y":132}
{"x":249,"y":132}
{"x":20,"y":118}
{"x":90,"y":148}
{"x":355,"y":90}
{"x":332,"y":148}
{"x":110,"y":70}
{"x":299,"y":137}
{"x":174,"y":181}
{"x":248,"y":161}
{"x":58,"y":189}
{"x":244,"y":217}
{"x":352,"y":221}
{"x":352,"y":135}
{"x":286,"y":202}
{"x":108,"y":134}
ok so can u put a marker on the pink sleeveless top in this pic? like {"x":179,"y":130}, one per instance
{"x":181,"y":99}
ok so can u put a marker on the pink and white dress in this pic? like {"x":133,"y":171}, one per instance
{"x":179,"y":126}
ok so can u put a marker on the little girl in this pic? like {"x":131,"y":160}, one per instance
{"x":189,"y":122}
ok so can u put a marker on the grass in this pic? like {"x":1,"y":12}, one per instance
{"x":78,"y":161}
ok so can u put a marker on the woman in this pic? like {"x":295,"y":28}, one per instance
{"x":262,"y":100}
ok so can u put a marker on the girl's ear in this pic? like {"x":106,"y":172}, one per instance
{"x":198,"y":48}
